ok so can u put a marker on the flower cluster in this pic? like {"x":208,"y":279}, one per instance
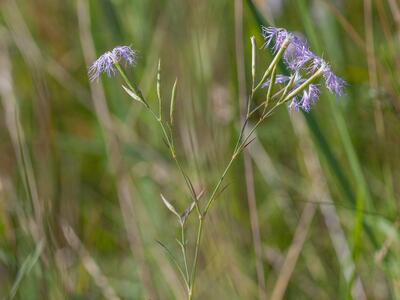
{"x":106,"y":62}
{"x":300,"y":59}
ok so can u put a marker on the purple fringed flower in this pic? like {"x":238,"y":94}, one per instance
{"x":283,"y":79}
{"x":334,"y":83}
{"x":125,"y":53}
{"x":106,"y":62}
{"x":279,"y":79}
{"x":274,"y":34}
{"x":297,"y":54}
{"x":299,"y":58}
{"x":310,"y":96}
{"x":315,"y":64}
{"x":294,"y":104}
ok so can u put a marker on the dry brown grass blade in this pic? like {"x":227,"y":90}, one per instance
{"x":264,"y":6}
{"x":372,"y":69}
{"x":32,"y":54}
{"x":248,"y":167}
{"x":395,"y":9}
{"x":42,"y":148}
{"x":348,"y":27}
{"x":385,"y":23}
{"x":224,"y":261}
{"x":89,"y":263}
{"x":275,"y":177}
{"x":387,"y":81}
{"x":125,"y":188}
{"x":294,"y":251}
{"x":113,"y":152}
{"x":382,"y":253}
{"x":319,"y":192}
{"x":16,"y":132}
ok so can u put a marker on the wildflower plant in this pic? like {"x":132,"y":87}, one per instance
{"x":299,"y":90}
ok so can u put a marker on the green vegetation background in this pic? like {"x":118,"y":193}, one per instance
{"x":82,"y":166}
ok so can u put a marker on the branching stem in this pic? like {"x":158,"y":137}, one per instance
{"x":189,"y":274}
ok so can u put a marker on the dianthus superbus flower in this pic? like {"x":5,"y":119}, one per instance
{"x":274,"y":37}
{"x":294,"y":104}
{"x":301,"y":60}
{"x":106,"y":62}
{"x":334,"y":83}
{"x":279,"y":79}
{"x":297,"y":80}
{"x":126,"y":53}
{"x":297,"y":54}
{"x":310,"y":96}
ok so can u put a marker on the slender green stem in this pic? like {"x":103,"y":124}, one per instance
{"x":168,"y":138}
{"x":253,"y":72}
{"x":236,"y":151}
{"x":209,"y":202}
{"x":221,"y":179}
{"x":253,"y":61}
{"x":131,"y":85}
{"x":241,"y":143}
{"x":173,"y":154}
{"x":281,"y":91}
{"x":270,"y":87}
{"x":196,"y":257}
{"x":286,"y":89}
{"x":262,"y":118}
{"x":274,"y":62}
{"x":159,"y":89}
{"x":271,"y":68}
{"x":183,"y":247}
{"x":304,"y":85}
{"x":189,"y":185}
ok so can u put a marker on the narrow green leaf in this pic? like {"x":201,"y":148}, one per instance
{"x":133,"y":95}
{"x":170,"y":207}
{"x":26,"y":267}
{"x":159,"y":88}
{"x":172,"y":107}
{"x":175,"y":262}
{"x":253,"y":59}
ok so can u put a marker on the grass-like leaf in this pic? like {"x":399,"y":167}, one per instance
{"x":170,"y":207}
{"x":26,"y":267}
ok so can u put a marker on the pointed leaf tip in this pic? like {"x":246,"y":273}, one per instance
{"x":172,"y":107}
{"x":132,"y":94}
{"x":170,"y":207}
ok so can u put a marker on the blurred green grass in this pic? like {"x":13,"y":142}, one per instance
{"x":58,"y":157}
